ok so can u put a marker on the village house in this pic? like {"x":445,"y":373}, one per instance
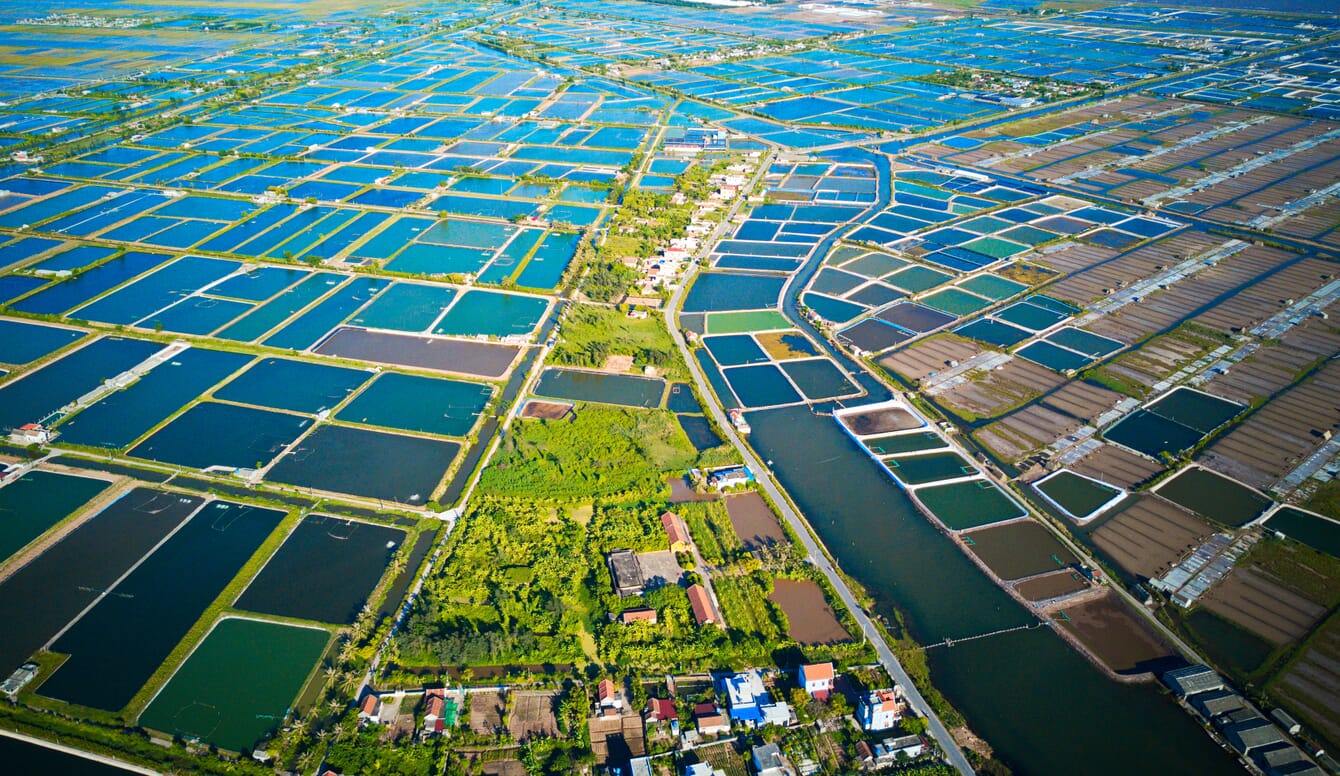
{"x":817,"y":679}
{"x":710,"y":719}
{"x":880,"y":709}
{"x":608,"y":697}
{"x":640,"y":614}
{"x":769,"y":761}
{"x":701,"y":604}
{"x":369,"y":709}
{"x":676,"y":532}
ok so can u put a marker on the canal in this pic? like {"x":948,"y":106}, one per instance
{"x":1036,"y":700}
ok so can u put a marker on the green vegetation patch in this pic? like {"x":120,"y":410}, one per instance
{"x":592,"y":333}
{"x":604,"y":451}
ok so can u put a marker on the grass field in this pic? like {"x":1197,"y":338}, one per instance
{"x":238,"y":684}
{"x":746,"y":321}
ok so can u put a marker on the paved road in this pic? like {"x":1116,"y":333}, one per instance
{"x":816,"y":554}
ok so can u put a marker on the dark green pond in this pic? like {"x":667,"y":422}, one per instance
{"x":38,"y":500}
{"x":324,"y":571}
{"x":1222,"y":500}
{"x":625,"y":390}
{"x":1043,"y":707}
{"x":118,"y":644}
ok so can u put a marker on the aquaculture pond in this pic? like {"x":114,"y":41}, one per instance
{"x":761,"y":385}
{"x":413,"y":403}
{"x":1019,"y":549}
{"x":285,"y":384}
{"x":405,"y":307}
{"x":70,"y":575}
{"x":493,"y":314}
{"x":880,"y":539}
{"x":1315,"y":531}
{"x":970,"y":504}
{"x":119,"y":643}
{"x":470,"y":358}
{"x":681,"y":399}
{"x":213,"y":434}
{"x":238,"y":684}
{"x":699,"y":431}
{"x":37,"y":394}
{"x":1225,"y":501}
{"x":22,"y":342}
{"x":36,"y":501}
{"x":25,"y":757}
{"x":600,"y":387}
{"x":124,"y":416}
{"x":324,"y":571}
{"x":1077,"y":496}
{"x":715,"y":291}
{"x":372,"y":464}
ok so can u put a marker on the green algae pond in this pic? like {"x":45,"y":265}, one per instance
{"x":239,"y":684}
{"x":1078,"y":497}
{"x":36,"y":501}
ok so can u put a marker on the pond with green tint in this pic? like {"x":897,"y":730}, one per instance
{"x":932,"y":467}
{"x":239,"y":683}
{"x":601,"y":387}
{"x":1224,"y":501}
{"x":493,"y":314}
{"x":969,"y":504}
{"x":1079,"y":497}
{"x":914,"y":442}
{"x":412,"y":403}
{"x":38,"y":500}
{"x":1317,"y":532}
{"x":818,"y":378}
{"x":405,"y":307}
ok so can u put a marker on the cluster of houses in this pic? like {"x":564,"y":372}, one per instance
{"x":746,"y":702}
{"x":439,"y":709}
{"x":667,"y":268}
{"x":1260,"y":741}
{"x":628,"y":578}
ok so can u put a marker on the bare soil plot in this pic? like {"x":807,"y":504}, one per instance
{"x":809,"y":618}
{"x":1135,"y":371}
{"x":1148,"y":537}
{"x":930,"y":356}
{"x":1051,"y":586}
{"x":1082,"y":400}
{"x":1115,"y":634}
{"x":617,"y":738}
{"x":1310,"y":686}
{"x":1275,"y":439}
{"x":1262,"y":374}
{"x":988,"y":394}
{"x":753,"y":521}
{"x":1264,"y":298}
{"x":547,"y":410}
{"x":881,"y":421}
{"x":1020,"y":433}
{"x":486,"y":712}
{"x":1117,"y":466}
{"x":533,"y":715}
{"x":1250,"y":598}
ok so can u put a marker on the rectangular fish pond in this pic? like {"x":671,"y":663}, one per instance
{"x":601,"y":387}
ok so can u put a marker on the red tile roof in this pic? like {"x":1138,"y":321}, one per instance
{"x":701,"y":605}
{"x":674,"y":528}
